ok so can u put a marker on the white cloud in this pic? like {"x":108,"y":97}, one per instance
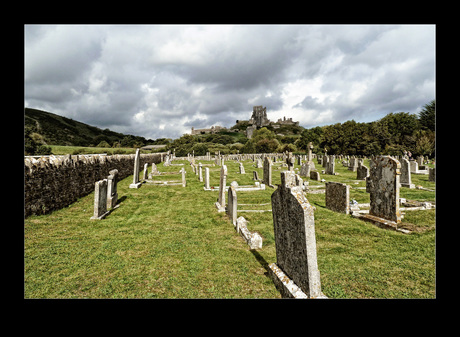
{"x":157,"y":81}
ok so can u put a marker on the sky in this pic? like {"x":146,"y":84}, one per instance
{"x":158,"y":81}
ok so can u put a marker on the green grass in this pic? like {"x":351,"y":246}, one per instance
{"x":63,"y":149}
{"x":170,"y":242}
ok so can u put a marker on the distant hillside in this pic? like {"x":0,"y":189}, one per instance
{"x":51,"y":129}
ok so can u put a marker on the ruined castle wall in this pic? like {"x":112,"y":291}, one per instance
{"x":51,"y":183}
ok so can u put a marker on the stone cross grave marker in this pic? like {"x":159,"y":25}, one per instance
{"x":295,"y":242}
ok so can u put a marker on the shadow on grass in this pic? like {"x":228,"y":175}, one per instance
{"x":261,"y":260}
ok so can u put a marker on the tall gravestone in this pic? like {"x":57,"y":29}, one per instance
{"x":220,"y":204}
{"x":112,"y":194}
{"x":405,"y":180}
{"x":232,"y":203}
{"x":383,"y":187}
{"x":136,"y":183}
{"x":206,"y":179}
{"x":295,"y":241}
{"x":267,"y":179}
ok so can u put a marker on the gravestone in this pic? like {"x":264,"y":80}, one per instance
{"x":295,"y":242}
{"x":154,"y":171}
{"x":112,"y":195}
{"x":305,"y":169}
{"x":136,"y":183}
{"x":206,"y":179}
{"x":184,"y":183}
{"x":314,"y":175}
{"x":405,"y":178}
{"x":145,"y":175}
{"x":267,"y":180}
{"x":255,"y":175}
{"x":330,"y":165}
{"x":362,"y":172}
{"x":220,"y":204}
{"x":200,"y":168}
{"x":432,"y":174}
{"x":383,"y":187}
{"x":242,"y":171}
{"x":100,"y":200}
{"x":338,"y":197}
{"x":232,"y":203}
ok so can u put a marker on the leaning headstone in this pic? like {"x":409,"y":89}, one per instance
{"x":112,"y":195}
{"x":255,"y":175}
{"x":220,"y":204}
{"x":405,"y":178}
{"x":295,"y":242}
{"x":136,"y":183}
{"x":267,"y":180}
{"x":383,"y":187}
{"x":338,"y":197}
{"x":100,"y":199}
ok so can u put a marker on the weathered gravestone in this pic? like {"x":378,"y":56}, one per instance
{"x":296,"y":271}
{"x":362,"y":172}
{"x":314,"y":175}
{"x":405,"y":178}
{"x":200,"y":168}
{"x":145,"y":174}
{"x":112,"y":195}
{"x":255,"y":175}
{"x":330,"y":165}
{"x":305,"y":170}
{"x":383,"y":187}
{"x":136,"y":183}
{"x":338,"y":197}
{"x":432,"y":174}
{"x":154,"y":171}
{"x":267,"y":180}
{"x":220,"y":204}
{"x":232,"y":203}
{"x":100,"y":200}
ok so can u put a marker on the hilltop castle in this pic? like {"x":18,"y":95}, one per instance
{"x":259,"y":119}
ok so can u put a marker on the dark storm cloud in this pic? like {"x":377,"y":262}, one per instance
{"x":159,"y":81}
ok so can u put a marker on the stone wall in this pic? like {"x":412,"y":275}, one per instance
{"x":54,"y":182}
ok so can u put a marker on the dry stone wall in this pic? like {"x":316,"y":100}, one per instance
{"x":54,"y":182}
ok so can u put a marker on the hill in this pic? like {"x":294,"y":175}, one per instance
{"x":47,"y":128}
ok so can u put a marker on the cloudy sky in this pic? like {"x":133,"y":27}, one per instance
{"x":160,"y":80}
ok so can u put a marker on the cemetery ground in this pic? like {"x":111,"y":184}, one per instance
{"x":170,"y":242}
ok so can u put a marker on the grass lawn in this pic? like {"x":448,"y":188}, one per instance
{"x":170,"y":242}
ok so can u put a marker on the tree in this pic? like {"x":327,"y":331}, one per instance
{"x":427,"y":116}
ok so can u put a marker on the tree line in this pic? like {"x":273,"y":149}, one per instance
{"x":390,"y":135}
